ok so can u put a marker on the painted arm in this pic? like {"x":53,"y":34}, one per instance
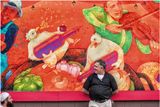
{"x":93,"y":14}
{"x":96,"y":17}
{"x":10,"y":37}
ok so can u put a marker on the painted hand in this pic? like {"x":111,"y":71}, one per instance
{"x":2,"y":45}
{"x":154,"y":44}
{"x":114,"y":28}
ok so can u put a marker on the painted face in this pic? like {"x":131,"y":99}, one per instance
{"x":114,"y":9}
{"x":8,"y":14}
{"x":98,"y":69}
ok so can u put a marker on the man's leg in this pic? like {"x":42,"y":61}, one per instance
{"x":108,"y":103}
{"x":93,"y":104}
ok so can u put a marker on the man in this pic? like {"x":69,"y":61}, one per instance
{"x":11,"y":11}
{"x":100,"y":86}
{"x":106,"y":22}
{"x":6,"y":100}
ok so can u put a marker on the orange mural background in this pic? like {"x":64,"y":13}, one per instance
{"x":48,"y":15}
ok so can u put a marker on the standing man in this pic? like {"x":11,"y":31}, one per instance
{"x":6,"y":100}
{"x":100,"y":86}
{"x":11,"y":11}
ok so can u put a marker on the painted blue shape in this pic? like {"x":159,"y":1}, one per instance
{"x":1,"y":85}
{"x":9,"y":73}
{"x":3,"y":62}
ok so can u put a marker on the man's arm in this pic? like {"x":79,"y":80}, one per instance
{"x":113,"y":85}
{"x":85,"y":91}
{"x":114,"y":92}
{"x":87,"y":85}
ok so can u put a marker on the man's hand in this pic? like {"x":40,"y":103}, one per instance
{"x":114,"y":28}
{"x":115,"y":92}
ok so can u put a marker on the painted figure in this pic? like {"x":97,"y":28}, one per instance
{"x":11,"y":11}
{"x":106,"y":23}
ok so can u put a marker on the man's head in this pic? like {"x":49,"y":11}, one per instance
{"x":11,"y":10}
{"x":99,"y":67}
{"x":6,"y":99}
{"x":113,"y":8}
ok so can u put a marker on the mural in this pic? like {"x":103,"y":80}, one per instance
{"x":51,"y":46}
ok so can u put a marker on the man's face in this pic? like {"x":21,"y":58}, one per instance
{"x":98,"y":69}
{"x":9,"y":102}
{"x":8,"y":14}
{"x":114,"y":9}
{"x":10,"y":99}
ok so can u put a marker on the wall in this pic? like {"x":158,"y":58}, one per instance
{"x":47,"y":16}
{"x":85,"y":104}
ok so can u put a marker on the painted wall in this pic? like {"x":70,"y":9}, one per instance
{"x":56,"y":46}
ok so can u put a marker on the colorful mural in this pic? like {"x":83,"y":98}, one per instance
{"x":58,"y":42}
